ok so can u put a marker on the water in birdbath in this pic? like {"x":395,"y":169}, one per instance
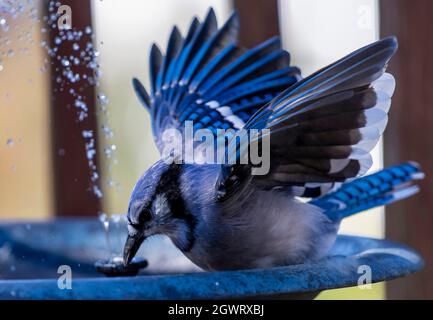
{"x":114,"y":266}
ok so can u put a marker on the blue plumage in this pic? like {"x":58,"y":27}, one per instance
{"x":379,"y":189}
{"x":209,"y":67}
{"x":321,"y":129}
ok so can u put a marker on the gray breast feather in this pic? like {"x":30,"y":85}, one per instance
{"x":262,"y":229}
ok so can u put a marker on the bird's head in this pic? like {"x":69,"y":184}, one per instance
{"x":157,"y":207}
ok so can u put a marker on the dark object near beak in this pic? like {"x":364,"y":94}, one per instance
{"x":132,"y":245}
{"x":116,"y":268}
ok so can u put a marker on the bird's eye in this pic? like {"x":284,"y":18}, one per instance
{"x":144,"y":216}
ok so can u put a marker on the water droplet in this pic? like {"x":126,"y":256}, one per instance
{"x":116,"y":218}
{"x":98,"y":192}
{"x":108,"y":151}
{"x":87,"y":134}
{"x":95,"y":176}
{"x":81,"y":105}
{"x":98,"y":73}
{"x":102,"y":98}
{"x":90,"y":154}
{"x":103,"y":217}
{"x":118,"y":260}
{"x":4,"y":25}
{"x":108,"y":133}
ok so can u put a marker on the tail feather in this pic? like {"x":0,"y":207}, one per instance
{"x":382,"y":188}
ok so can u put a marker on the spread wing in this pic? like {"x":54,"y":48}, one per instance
{"x":323,"y":128}
{"x":208,"y":79}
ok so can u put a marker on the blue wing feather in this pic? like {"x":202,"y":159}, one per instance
{"x":201,"y":35}
{"x":207,"y":72}
{"x":227,"y":34}
{"x":173,"y":48}
{"x":246,"y":59}
{"x":169,"y":80}
{"x":381,"y":188}
{"x":155,"y":62}
{"x":245,"y":72}
{"x":226,"y":54}
{"x":142,"y":94}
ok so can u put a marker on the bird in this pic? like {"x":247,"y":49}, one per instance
{"x":321,"y":128}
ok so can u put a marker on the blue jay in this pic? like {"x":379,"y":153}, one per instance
{"x":322,"y":129}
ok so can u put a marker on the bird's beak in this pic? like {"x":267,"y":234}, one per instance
{"x":132,"y":245}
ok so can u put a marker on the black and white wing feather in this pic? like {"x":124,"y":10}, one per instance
{"x":323,"y":128}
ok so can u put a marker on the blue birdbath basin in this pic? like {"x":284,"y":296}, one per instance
{"x":31,"y":253}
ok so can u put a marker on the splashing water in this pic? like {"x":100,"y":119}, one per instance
{"x":81,"y":67}
{"x":113,"y":226}
{"x":10,"y":11}
{"x":84,"y":55}
{"x":114,"y":266}
{"x":105,"y":220}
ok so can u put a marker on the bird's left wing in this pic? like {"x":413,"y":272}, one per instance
{"x":323,"y":128}
{"x":208,"y":79}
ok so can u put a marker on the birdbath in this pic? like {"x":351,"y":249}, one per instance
{"x":31,"y":253}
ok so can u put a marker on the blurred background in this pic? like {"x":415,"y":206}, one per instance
{"x":53,"y":164}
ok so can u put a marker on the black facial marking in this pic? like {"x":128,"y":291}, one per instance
{"x":169,"y":184}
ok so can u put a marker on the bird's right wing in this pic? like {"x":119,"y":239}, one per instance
{"x":323,"y":128}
